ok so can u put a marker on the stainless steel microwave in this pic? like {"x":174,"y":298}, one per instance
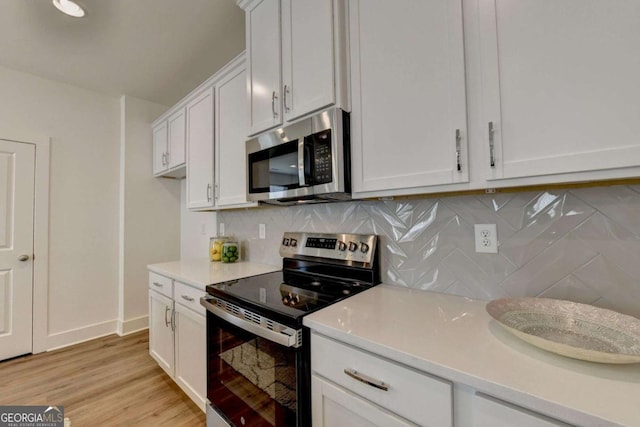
{"x":308,"y":161}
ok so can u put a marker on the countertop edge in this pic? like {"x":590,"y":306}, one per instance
{"x":199,"y":273}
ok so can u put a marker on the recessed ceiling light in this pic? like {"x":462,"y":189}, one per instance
{"x":69,"y":7}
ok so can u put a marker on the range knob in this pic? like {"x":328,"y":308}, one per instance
{"x":285,"y":242}
{"x":342,"y":246}
{"x":353,"y":246}
{"x":364,"y":248}
{"x":293,"y":242}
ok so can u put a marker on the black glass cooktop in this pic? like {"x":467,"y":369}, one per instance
{"x":285,"y":297}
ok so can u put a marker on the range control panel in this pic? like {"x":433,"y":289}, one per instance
{"x":347,"y":247}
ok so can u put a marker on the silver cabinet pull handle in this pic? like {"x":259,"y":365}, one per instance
{"x":492,"y":157}
{"x":173,"y":320}
{"x":286,"y":91}
{"x":273,"y":104}
{"x":158,"y":284}
{"x":187,"y":298}
{"x":458,"y":162}
{"x":168,"y":158}
{"x":166,"y":310}
{"x":208,"y":192}
{"x":164,"y":161}
{"x":366,"y":379}
{"x":23,"y":258}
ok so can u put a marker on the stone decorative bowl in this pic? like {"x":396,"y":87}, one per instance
{"x":571,"y":329}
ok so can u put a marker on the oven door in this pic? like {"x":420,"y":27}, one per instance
{"x":252,"y":380}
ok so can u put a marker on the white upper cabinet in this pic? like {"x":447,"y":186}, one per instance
{"x":200,"y":161}
{"x":307,"y":56}
{"x":296,"y":59}
{"x":169,"y":145}
{"x":212,"y":123}
{"x":263,"y":41}
{"x":176,"y":132}
{"x":408,"y":120}
{"x":231,"y":129}
{"x":159,"y":147}
{"x":560,"y":86}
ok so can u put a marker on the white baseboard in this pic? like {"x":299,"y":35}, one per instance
{"x":76,"y":336}
{"x":132,"y":325}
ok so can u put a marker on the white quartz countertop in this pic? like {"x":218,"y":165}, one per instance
{"x":454,"y":338}
{"x":200,"y":272}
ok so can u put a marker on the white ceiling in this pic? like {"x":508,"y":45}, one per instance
{"x":158,"y":50}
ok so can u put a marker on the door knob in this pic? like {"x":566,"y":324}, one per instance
{"x":23,"y":258}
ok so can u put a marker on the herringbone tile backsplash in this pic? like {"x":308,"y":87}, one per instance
{"x":581,"y":245}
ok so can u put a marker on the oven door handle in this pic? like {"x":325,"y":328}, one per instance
{"x":287,"y":337}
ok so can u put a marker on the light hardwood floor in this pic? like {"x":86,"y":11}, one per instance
{"x":110,"y":381}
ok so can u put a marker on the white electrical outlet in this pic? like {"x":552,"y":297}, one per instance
{"x":221,"y":227}
{"x":262,"y":231}
{"x":486,"y":238}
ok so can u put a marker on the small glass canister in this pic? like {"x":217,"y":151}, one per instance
{"x":230,"y":251}
{"x":215,"y":247}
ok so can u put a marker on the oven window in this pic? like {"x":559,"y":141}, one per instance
{"x":251,"y":380}
{"x":274,"y":169}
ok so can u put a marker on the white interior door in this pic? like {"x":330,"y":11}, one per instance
{"x":17,"y":167}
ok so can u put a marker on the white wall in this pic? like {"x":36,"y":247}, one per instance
{"x":149,"y":213}
{"x":195,"y":229}
{"x":83,"y":241}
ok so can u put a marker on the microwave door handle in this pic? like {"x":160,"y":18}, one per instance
{"x":301,"y":174}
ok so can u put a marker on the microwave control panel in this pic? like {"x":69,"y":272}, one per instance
{"x":322,"y":156}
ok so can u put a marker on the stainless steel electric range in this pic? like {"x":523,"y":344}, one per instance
{"x":258,"y":367}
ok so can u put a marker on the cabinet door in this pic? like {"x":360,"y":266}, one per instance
{"x":191,"y":369}
{"x":560,"y":85}
{"x":231,"y":131}
{"x":177,"y":135}
{"x":161,"y":331}
{"x":307,"y":56}
{"x":334,"y":406}
{"x":159,"y":148}
{"x":490,"y":412}
{"x":263,"y":45}
{"x":408,"y":94}
{"x":200,"y":150}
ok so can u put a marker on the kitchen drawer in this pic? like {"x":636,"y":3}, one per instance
{"x":161,"y":284}
{"x":491,"y":412}
{"x":416,"y":396}
{"x":189,"y":297}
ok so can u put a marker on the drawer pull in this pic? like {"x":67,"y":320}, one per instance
{"x":366,"y":379}
{"x":187,"y":298}
{"x":158,"y":284}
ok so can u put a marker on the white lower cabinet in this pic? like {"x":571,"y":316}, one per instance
{"x":353,"y":387}
{"x":400,"y":394}
{"x":177,"y":334}
{"x":490,"y":412}
{"x":161,"y":330}
{"x":190,"y":348}
{"x":335,"y":406}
